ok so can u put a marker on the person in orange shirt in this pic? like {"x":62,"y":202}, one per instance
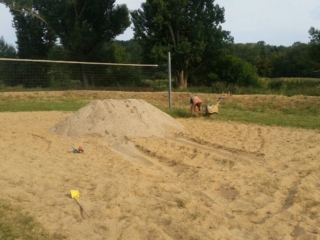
{"x":195,"y":104}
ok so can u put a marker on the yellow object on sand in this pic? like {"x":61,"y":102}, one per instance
{"x":75,"y":193}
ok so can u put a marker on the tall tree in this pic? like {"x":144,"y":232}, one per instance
{"x":34,"y":38}
{"x":34,"y":41}
{"x":315,"y":45}
{"x":189,"y":29}
{"x":23,"y":6}
{"x":299,"y":62}
{"x":82,"y":26}
{"x":134,"y":49}
{"x":258,"y":54}
{"x":6,"y":50}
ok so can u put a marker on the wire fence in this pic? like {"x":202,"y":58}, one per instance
{"x":58,"y":75}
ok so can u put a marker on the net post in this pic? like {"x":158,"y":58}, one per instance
{"x":169,"y":73}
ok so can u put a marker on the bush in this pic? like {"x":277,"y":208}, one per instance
{"x":236,"y":71}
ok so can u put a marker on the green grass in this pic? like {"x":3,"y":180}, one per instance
{"x":305,"y":117}
{"x":28,"y":105}
{"x":278,"y":86}
{"x":299,"y":115}
{"x":175,"y":112}
{"x":14,"y":224}
{"x":271,"y":119}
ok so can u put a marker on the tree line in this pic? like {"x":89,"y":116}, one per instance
{"x":202,"y":52}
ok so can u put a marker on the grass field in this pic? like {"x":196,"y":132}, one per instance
{"x":296,"y":111}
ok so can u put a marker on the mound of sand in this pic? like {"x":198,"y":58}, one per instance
{"x":117,"y":119}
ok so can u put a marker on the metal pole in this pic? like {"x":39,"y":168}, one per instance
{"x":169,"y":71}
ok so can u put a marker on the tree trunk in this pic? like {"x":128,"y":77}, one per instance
{"x":181,"y":79}
{"x":85,"y":82}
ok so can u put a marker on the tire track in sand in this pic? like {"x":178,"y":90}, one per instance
{"x":222,"y":152}
{"x":146,"y":160}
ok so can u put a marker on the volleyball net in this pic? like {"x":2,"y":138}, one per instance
{"x":28,"y":73}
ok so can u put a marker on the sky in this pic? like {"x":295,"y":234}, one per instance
{"x":276,"y":22}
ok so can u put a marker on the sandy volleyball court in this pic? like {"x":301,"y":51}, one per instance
{"x":161,"y":179}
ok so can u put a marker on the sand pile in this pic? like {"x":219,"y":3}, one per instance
{"x":117,"y":119}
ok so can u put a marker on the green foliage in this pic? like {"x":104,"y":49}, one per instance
{"x":31,"y":75}
{"x":275,"y":84}
{"x":276,"y":61}
{"x":278,"y":86}
{"x":202,"y":53}
{"x":60,"y":75}
{"x":99,"y":75}
{"x":24,"y":74}
{"x":84,"y":27}
{"x":34,"y":41}
{"x":294,"y":86}
{"x":235,"y":71}
{"x":81,"y":26}
{"x":294,"y":61}
{"x":189,"y":29}
{"x":134,"y":49}
{"x":112,"y":75}
{"x":34,"y":38}
{"x":176,"y":111}
{"x":6,"y":50}
{"x":219,"y":87}
{"x":157,"y":84}
{"x":118,"y":54}
{"x":257,"y":54}
{"x":315,"y":44}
